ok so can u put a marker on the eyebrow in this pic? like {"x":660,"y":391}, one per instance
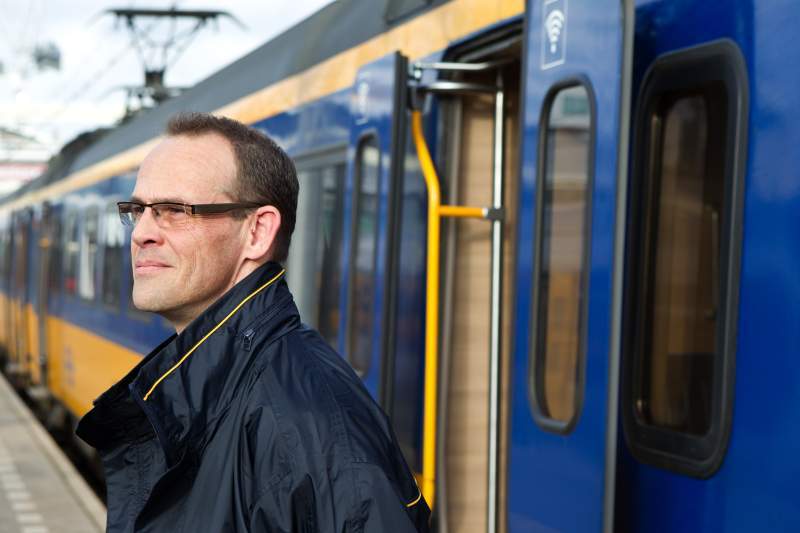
{"x":163,"y":200}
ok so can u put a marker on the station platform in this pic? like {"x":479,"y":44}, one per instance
{"x":40,"y":489}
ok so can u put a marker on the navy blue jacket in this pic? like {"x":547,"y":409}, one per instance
{"x":249,"y":421}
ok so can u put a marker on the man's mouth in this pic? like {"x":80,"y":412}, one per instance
{"x":149,"y":267}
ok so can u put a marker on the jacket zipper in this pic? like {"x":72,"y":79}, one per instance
{"x":247,"y":336}
{"x":248,"y":339}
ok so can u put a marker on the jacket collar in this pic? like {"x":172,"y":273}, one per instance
{"x":187,"y":382}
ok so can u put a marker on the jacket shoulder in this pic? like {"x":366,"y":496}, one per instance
{"x":326,"y":418}
{"x":313,"y":392}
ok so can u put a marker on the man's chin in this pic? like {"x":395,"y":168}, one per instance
{"x":149,"y":303}
{"x":146,"y":307}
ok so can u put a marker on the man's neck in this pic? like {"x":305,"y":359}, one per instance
{"x":181,"y":321}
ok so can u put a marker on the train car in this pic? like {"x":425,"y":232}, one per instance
{"x":554,"y":238}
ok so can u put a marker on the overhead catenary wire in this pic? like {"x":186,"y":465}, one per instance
{"x":78,"y":74}
{"x":21,"y":31}
{"x":149,"y":48}
{"x":32,"y":28}
{"x":91,"y":80}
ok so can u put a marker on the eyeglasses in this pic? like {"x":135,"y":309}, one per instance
{"x":170,"y":214}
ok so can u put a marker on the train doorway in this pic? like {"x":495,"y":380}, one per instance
{"x":475,"y":92}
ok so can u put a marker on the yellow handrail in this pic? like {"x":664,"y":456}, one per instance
{"x":435,"y":211}
{"x":462,"y":211}
{"x":431,"y":312}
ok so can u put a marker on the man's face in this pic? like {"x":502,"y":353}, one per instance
{"x":179,"y":271}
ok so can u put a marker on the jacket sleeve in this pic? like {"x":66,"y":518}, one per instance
{"x":287,"y":510}
{"x":361,"y":500}
{"x":379,"y":505}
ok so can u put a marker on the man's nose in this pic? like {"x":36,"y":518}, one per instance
{"x":146,"y":229}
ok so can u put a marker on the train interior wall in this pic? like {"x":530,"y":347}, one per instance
{"x":466,"y":267}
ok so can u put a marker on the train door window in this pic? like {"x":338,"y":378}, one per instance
{"x":685,"y":252}
{"x":363,"y":255}
{"x":113,"y":241}
{"x":56,"y":254}
{"x":564,"y":193}
{"x":71,"y":250}
{"x":315,"y":254}
{"x":89,"y":240}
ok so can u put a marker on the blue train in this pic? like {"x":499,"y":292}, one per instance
{"x":555,"y":238}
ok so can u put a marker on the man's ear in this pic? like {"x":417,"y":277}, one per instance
{"x":262,"y":232}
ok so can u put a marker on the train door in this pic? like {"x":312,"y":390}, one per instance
{"x":570,"y":248}
{"x":374,"y":166}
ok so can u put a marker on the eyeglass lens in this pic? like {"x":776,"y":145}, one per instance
{"x":165,"y":214}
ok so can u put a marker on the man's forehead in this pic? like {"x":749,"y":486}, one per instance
{"x":187,"y":168}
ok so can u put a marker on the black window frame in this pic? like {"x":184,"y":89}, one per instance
{"x":688,"y":71}
{"x":536,"y":363}
{"x":366,"y":137}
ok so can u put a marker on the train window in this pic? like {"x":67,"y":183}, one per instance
{"x":88,"y":254}
{"x":21,"y":252}
{"x":330,"y":251}
{"x":363,"y":255}
{"x":4,"y":254}
{"x":681,"y":310}
{"x":315,"y":255}
{"x":563,"y":228}
{"x":71,"y":248}
{"x":682,"y":284}
{"x":56,"y":254}
{"x":113,"y":242}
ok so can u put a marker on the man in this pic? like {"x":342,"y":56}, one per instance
{"x":245,"y":420}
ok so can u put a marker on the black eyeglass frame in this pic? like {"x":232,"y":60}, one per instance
{"x":189,"y":209}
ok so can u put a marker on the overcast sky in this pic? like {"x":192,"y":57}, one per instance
{"x":97,"y":57}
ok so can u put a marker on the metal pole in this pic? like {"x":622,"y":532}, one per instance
{"x":492,"y":513}
{"x":615,"y":348}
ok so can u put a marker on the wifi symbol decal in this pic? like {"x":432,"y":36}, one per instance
{"x":554,"y":32}
{"x":553,"y":25}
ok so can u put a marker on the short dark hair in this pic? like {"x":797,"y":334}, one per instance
{"x":265,"y":173}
